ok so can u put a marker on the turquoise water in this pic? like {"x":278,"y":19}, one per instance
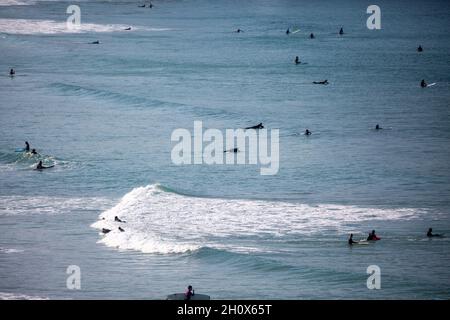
{"x":104,"y":115}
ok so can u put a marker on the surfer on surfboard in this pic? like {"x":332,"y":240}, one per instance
{"x":373,"y":237}
{"x":430,"y":233}
{"x":423,"y":84}
{"x":40,"y":166}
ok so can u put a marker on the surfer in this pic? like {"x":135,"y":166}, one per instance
{"x":189,"y":293}
{"x":234,"y":150}
{"x":377,"y":127}
{"x":127,"y":29}
{"x":350,"y":240}
{"x":27,"y":146}
{"x":297,"y":60}
{"x":341,"y":32}
{"x":419,"y":49}
{"x":239,"y":31}
{"x":311,"y":36}
{"x":150,"y":5}
{"x":258,"y":126}
{"x":288,"y":31}
{"x":373,"y":237}
{"x":95,"y":42}
{"x":40,"y":166}
{"x":116,"y":219}
{"x":430,"y":233}
{"x":121,"y":230}
{"x":423,"y":84}
{"x":321,"y":82}
{"x":307,"y":132}
{"x":12,"y":72}
{"x":104,"y":230}
{"x":33,"y":151}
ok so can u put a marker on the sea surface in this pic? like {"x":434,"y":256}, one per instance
{"x":103,"y":114}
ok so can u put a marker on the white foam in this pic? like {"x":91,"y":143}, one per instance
{"x":15,"y":296}
{"x":15,"y":3}
{"x":28,"y":26}
{"x":7,"y":250}
{"x":163,"y":222}
{"x":22,"y":205}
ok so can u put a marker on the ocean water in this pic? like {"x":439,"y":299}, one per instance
{"x":104,"y":114}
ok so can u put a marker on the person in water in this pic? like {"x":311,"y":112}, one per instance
{"x":239,"y":31}
{"x":430,"y":233}
{"x":297,"y":60}
{"x":12,"y":72}
{"x":33,"y":151}
{"x":116,"y":219}
{"x":27,"y":146}
{"x":40,"y":166}
{"x":258,"y":126}
{"x":377,"y":127}
{"x":121,"y":230}
{"x":104,"y":230}
{"x":341,"y":32}
{"x":95,"y":42}
{"x":419,"y":49}
{"x":373,"y":237}
{"x":307,"y":132}
{"x":189,"y":293}
{"x":234,"y":150}
{"x":321,"y":82}
{"x":350,"y":240}
{"x":423,"y":84}
{"x":311,"y":36}
{"x":127,"y":29}
{"x":288,"y":31}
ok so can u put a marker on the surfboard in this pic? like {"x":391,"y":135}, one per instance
{"x":181,"y":296}
{"x":20,"y":150}
{"x":363,"y":242}
{"x":431,"y":84}
{"x":295,"y":31}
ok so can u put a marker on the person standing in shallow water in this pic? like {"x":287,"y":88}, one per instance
{"x":189,"y":293}
{"x":350,"y":240}
{"x":341,"y":32}
{"x":297,"y":60}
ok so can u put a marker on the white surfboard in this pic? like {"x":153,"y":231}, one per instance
{"x":431,"y":84}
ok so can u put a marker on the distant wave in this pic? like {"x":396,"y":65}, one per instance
{"x":29,"y":26}
{"x":15,"y":3}
{"x":17,"y":296}
{"x":109,"y":95}
{"x":10,"y":250}
{"x":160,"y":220}
{"x":122,"y":98}
{"x":33,"y":205}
